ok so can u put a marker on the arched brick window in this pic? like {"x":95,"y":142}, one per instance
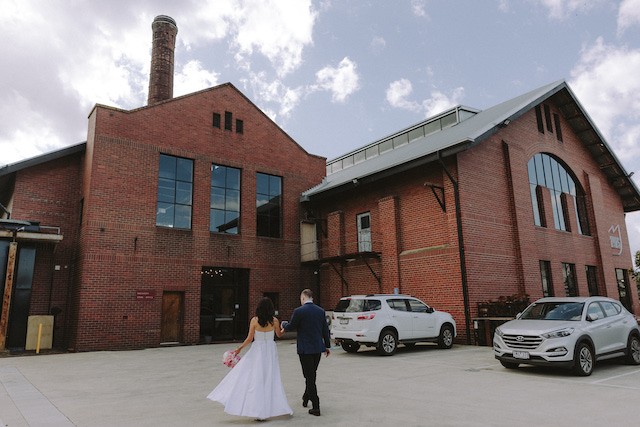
{"x":546,"y":171}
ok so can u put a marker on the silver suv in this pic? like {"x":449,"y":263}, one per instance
{"x":384,"y":321}
{"x":571,"y":332}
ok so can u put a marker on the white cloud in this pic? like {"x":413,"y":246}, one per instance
{"x":278,"y":29}
{"x":438,"y":102}
{"x":399,"y":90}
{"x":628,"y":14}
{"x":397,"y":94}
{"x":605,"y":80}
{"x":418,"y":7}
{"x":193,"y":78}
{"x":273,"y":92}
{"x":341,"y":81}
{"x":560,"y":9}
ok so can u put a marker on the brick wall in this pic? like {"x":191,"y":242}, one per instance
{"x":418,"y":242}
{"x":50,"y":194}
{"x":122,"y":250}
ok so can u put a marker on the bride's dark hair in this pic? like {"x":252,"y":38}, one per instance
{"x":265,"y":312}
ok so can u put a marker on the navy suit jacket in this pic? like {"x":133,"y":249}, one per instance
{"x":313,"y":332}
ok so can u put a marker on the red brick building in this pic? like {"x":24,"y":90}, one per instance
{"x":522,"y":199}
{"x":173,"y":219}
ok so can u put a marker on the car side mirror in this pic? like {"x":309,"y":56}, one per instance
{"x":430,"y":310}
{"x":592,"y":317}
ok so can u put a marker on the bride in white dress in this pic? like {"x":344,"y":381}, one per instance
{"x":253,"y":388}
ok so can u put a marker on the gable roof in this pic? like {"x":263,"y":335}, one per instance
{"x":475,"y":129}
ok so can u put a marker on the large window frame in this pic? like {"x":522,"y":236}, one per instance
{"x":175,"y":192}
{"x":545,"y":171}
{"x":224,"y":208}
{"x":268,"y":205}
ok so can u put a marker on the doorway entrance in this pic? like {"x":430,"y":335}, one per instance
{"x":172,"y":317}
{"x":224,"y":300}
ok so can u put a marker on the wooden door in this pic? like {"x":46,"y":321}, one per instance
{"x":172,"y":306}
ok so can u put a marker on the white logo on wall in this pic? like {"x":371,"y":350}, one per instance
{"x":616,"y":238}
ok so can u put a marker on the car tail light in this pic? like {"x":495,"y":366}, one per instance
{"x":368,"y":316}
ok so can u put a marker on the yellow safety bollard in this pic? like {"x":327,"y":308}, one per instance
{"x":39,"y":338}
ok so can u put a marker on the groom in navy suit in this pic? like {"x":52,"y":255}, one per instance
{"x":313,"y":339}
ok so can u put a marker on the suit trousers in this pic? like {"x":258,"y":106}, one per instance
{"x":310,"y":364}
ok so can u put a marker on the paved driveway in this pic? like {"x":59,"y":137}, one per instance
{"x":424,"y":386}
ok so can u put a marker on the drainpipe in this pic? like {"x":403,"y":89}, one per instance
{"x":463,"y":263}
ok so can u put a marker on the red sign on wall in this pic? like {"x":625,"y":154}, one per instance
{"x":145,"y":295}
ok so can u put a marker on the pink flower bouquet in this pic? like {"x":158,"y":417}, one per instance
{"x":230,"y":358}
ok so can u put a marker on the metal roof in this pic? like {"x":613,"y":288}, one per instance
{"x":43,"y":158}
{"x":474,"y":130}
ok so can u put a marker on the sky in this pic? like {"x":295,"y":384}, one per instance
{"x":335,"y":75}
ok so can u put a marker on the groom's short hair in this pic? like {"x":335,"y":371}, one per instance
{"x":308,"y":293}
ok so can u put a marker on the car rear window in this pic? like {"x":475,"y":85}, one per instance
{"x":355,"y":305}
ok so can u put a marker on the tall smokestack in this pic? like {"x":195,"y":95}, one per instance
{"x":164,"y":43}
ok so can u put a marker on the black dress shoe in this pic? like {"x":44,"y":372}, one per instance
{"x":315,"y":412}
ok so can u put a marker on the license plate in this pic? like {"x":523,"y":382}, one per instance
{"x":520,"y":355}
{"x":344,"y":321}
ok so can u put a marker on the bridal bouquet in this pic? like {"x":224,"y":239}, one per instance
{"x":230,"y":358}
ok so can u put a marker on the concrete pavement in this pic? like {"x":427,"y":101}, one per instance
{"x":424,"y":386}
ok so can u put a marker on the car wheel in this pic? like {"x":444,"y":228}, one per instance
{"x":350,"y":347}
{"x":633,"y":350}
{"x":584,"y":360}
{"x":445,"y":340}
{"x":509,"y":365}
{"x":388,"y":343}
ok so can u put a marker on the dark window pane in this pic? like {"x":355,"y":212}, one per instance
{"x":233,"y":178}
{"x":556,"y":120}
{"x":225,"y":199}
{"x":164,"y":214}
{"x":539,"y":119}
{"x":268,"y":203}
{"x":218,"y":176}
{"x":184,"y":171}
{"x":167,"y":167}
{"x":166,"y":190}
{"x":262,"y":183}
{"x":216,"y":120}
{"x":274,"y":185}
{"x":228,"y":117}
{"x":547,"y":117}
{"x":216,"y":219}
{"x":217,"y":198}
{"x":233,"y":200}
{"x":183,"y":216}
{"x":183,"y":193}
{"x":239,"y":126}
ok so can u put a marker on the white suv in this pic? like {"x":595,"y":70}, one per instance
{"x":383,"y":321}
{"x":571,"y":332}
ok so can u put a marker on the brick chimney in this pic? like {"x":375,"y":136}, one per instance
{"x":164,"y":43}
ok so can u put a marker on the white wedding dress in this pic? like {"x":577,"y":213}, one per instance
{"x":253,"y":388}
